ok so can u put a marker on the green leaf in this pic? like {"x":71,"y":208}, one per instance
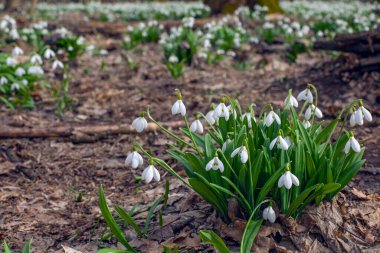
{"x":6,"y":248}
{"x":269,"y":185}
{"x":251,"y":230}
{"x":166,"y":194}
{"x":151,"y":212}
{"x":111,"y":223}
{"x":247,"y":206}
{"x":209,"y":147}
{"x":327,"y":132}
{"x":125,"y":216}
{"x":209,"y":237}
{"x":298,"y":201}
{"x":27,"y":246}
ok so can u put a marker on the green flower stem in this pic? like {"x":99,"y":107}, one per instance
{"x":163,"y":164}
{"x":192,"y":137}
{"x":302,"y":109}
{"x":228,"y":164}
{"x":211,"y":126}
{"x":177,"y":138}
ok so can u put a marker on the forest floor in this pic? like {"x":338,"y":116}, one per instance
{"x":41,"y":177}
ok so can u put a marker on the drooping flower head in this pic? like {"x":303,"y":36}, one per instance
{"x":361,"y":114}
{"x":210,"y":115}
{"x":49,"y":53}
{"x":311,"y":110}
{"x":242,"y":151}
{"x":196,"y":126}
{"x":17,"y":51}
{"x":215,"y":164}
{"x":306,"y":95}
{"x":222,"y":111}
{"x":352,"y":143}
{"x":281,"y":142}
{"x":140,"y":123}
{"x":288,"y":179}
{"x":179,"y":107}
{"x":290,"y":101}
{"x":150,"y":173}
{"x":269,"y":214}
{"x":271,"y":117}
{"x":134,"y":159}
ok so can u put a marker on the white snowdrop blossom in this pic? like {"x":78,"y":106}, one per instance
{"x":140,"y":123}
{"x":24,"y":82}
{"x":306,"y":124}
{"x":242,"y":151}
{"x":15,"y":86}
{"x":179,"y":108}
{"x":173,"y":59}
{"x":49,"y":53}
{"x":222,"y":111}
{"x":305,"y":95}
{"x":290,"y":101}
{"x":353,"y":121}
{"x":36,"y":58}
{"x":271,"y":117}
{"x":196,"y":127}
{"x":288,"y":179}
{"x":312,"y":109}
{"x":353,"y":144}
{"x":20,"y":71}
{"x":150,"y":173}
{"x":249,"y":117}
{"x":57,"y":64}
{"x":17,"y":51}
{"x":215,"y":164}
{"x":210,"y":117}
{"x":269,"y":214}
{"x":134,"y":159}
{"x":281,"y":143}
{"x":225,"y":144}
{"x":3,"y":80}
{"x":11,"y":62}
{"x":361,"y":114}
{"x":35,"y":70}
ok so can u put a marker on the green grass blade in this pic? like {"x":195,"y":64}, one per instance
{"x":27,"y":246}
{"x":251,"y":230}
{"x":6,"y":248}
{"x":125,"y":216}
{"x":151,"y":212}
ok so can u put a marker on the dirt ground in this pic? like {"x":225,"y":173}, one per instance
{"x":41,"y":178}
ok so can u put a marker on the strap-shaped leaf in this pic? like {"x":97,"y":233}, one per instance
{"x":210,"y":237}
{"x":27,"y":246}
{"x":125,"y":216}
{"x":151,"y":213}
{"x":251,"y":230}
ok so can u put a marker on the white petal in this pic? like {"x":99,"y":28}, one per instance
{"x":283,"y":144}
{"x":148,"y":174}
{"x":182,"y":108}
{"x":318,"y":113}
{"x":265,"y":213}
{"x":175,"y":108}
{"x":193,"y":127}
{"x":210,"y":117}
{"x":310,"y":97}
{"x":199,"y":127}
{"x":135,"y":161}
{"x":273,"y":143}
{"x":235,"y":152}
{"x":221,"y":166}
{"x":269,"y":120}
{"x":366,"y":113}
{"x":294,"y":101}
{"x":352,"y":120}
{"x":347,"y":147}
{"x":295,"y":180}
{"x":128,"y":160}
{"x":281,"y":181}
{"x":156,"y":174}
{"x":278,"y":120}
{"x":140,"y":159}
{"x":355,"y":144}
{"x":287,"y":180}
{"x":308,"y":113}
{"x":359,"y":117}
{"x":224,"y":147}
{"x":302,"y":95}
{"x":271,"y":215}
{"x":209,"y":165}
{"x":244,"y":155}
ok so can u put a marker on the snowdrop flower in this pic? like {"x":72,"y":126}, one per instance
{"x":35,"y":70}
{"x":15,"y":86}
{"x":306,"y":124}
{"x":281,"y":143}
{"x":271,"y":117}
{"x":306,"y":95}
{"x":312,"y":109}
{"x":20,"y":71}
{"x":290,"y":101}
{"x":134,"y":159}
{"x":361,"y":114}
{"x":11,"y":62}
{"x":353,"y":121}
{"x":49,"y":53}
{"x":225,"y":144}
{"x":215,"y":164}
{"x":222,"y":111}
{"x":210,"y":117}
{"x":140,"y":123}
{"x":173,"y":59}
{"x":269,"y":214}
{"x":179,"y":107}
{"x":36,"y":58}
{"x":288,"y":179}
{"x":352,"y":143}
{"x":3,"y":80}
{"x":196,"y":127}
{"x":242,"y":151}
{"x":17,"y":51}
{"x":57,"y":64}
{"x":248,"y":115}
{"x":149,"y":173}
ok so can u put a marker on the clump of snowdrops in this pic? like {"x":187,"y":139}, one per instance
{"x":143,"y":33}
{"x":277,"y":161}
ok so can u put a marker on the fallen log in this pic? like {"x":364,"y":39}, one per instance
{"x":363,"y":43}
{"x":78,"y":133}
